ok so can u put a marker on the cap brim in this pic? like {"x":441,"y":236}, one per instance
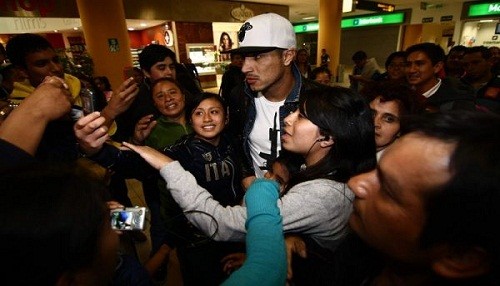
{"x":249,"y":50}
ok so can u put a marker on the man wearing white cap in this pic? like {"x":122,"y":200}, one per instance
{"x":270,"y":92}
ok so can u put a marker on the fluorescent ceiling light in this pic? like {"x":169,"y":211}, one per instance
{"x":309,"y":18}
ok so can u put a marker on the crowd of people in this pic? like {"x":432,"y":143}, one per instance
{"x":281,"y":178}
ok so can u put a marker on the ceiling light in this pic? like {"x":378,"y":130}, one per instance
{"x":144,"y":25}
{"x":55,"y":31}
{"x":309,"y":18}
{"x":131,"y":29}
{"x":75,"y":28}
{"x":485,"y":21}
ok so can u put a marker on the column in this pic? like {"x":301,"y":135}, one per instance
{"x":106,"y":37}
{"x":329,"y":18}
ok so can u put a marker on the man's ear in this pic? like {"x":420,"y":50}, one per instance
{"x":438,"y":67}
{"x":146,"y":73}
{"x":461,"y":264}
{"x":289,"y":56}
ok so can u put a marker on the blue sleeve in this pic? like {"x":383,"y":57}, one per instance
{"x":11,"y":155}
{"x":266,"y":254}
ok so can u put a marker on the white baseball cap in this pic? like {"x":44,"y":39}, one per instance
{"x":265,"y":32}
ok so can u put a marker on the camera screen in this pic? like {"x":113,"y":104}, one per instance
{"x":128,"y":219}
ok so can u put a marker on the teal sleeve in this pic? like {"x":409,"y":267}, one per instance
{"x":266,"y":254}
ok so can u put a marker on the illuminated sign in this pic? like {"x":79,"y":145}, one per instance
{"x":305,"y":28}
{"x":376,"y":20}
{"x":484,"y":9}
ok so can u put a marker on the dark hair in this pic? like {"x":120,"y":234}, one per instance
{"x":198,"y":98}
{"x":229,"y":37}
{"x":8,"y":71}
{"x":485,"y":52}
{"x":344,"y":116}
{"x":319,"y":70}
{"x":433,"y":51}
{"x":394,"y":55}
{"x":458,"y":48}
{"x":154,"y":53}
{"x":24,"y":44}
{"x":105,"y":81}
{"x":359,"y":55}
{"x":291,"y":161}
{"x":407,"y":98}
{"x":464,"y":213}
{"x":53,"y":219}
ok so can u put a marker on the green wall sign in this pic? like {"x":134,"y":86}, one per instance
{"x":484,"y":9}
{"x":375,"y":20}
{"x":372,"y":20}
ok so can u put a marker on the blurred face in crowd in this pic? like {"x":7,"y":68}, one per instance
{"x":41,"y":64}
{"x":389,"y":207}
{"x":266,"y":70}
{"x":420,"y":72}
{"x":237,"y":60}
{"x":476,"y":66}
{"x":323,"y":78}
{"x":169,"y":100}
{"x":396,"y":68}
{"x":454,"y":60}
{"x":280,"y":174}
{"x":386,"y":120}
{"x":302,"y":57}
{"x":165,"y":68}
{"x":208,"y":120}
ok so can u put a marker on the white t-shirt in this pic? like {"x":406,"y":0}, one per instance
{"x":260,"y":141}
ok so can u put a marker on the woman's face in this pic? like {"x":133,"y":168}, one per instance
{"x":300,"y":135}
{"x":225,"y":42}
{"x":386,"y":117}
{"x":169,"y":100}
{"x":208,"y":120}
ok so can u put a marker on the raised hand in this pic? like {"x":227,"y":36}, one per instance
{"x":91,"y":133}
{"x":154,"y":158}
{"x":121,"y":100}
{"x":143,"y":128}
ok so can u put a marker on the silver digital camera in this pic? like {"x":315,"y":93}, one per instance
{"x":128,"y":218}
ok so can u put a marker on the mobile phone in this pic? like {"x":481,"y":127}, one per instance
{"x":129,"y":72}
{"x":128,"y":218}
{"x":88,"y":100}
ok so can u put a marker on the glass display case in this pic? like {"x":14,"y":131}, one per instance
{"x":205,"y":57}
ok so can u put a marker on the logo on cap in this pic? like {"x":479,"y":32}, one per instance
{"x":241,"y":34}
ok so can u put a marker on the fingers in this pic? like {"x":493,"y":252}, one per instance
{"x":82,"y":122}
{"x":114,"y":205}
{"x":56,"y":81}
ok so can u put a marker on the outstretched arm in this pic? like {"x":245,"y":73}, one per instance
{"x":264,"y":240}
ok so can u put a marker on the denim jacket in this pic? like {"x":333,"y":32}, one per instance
{"x":243,"y":113}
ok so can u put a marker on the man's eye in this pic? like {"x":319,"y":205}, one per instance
{"x":390,"y":118}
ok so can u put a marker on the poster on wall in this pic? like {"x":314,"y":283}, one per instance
{"x":227,"y":43}
{"x":225,"y":39}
